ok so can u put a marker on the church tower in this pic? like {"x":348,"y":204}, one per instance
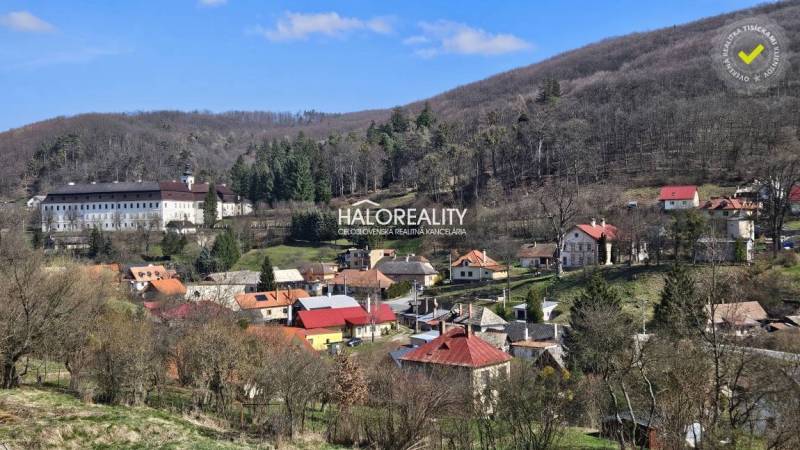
{"x":187,"y":178}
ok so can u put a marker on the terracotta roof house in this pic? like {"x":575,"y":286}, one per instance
{"x":718,"y":207}
{"x":141,"y":276}
{"x":352,"y":321}
{"x":408,"y":268}
{"x":537,"y":255}
{"x":679,"y":197}
{"x":740,"y":317}
{"x":476,"y":265}
{"x":271,"y":306}
{"x":582,"y":244}
{"x":169,"y":287}
{"x":361,"y":282}
{"x":458,"y":351}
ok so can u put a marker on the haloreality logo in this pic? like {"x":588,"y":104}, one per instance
{"x":751,"y":55}
{"x":368,"y":217}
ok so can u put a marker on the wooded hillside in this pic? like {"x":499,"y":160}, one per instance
{"x":645,"y":108}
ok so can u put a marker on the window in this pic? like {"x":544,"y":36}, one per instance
{"x":462,"y":273}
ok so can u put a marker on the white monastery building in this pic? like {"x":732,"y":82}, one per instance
{"x":131,"y":205}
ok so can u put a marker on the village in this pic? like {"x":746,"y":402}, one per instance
{"x":458,"y":315}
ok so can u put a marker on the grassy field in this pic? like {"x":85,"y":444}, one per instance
{"x":577,"y":438}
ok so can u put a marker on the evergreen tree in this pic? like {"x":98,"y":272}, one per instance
{"x":301,"y":183}
{"x":425,"y":118}
{"x":37,"y":238}
{"x":266,"y":282}
{"x":225,"y":250}
{"x":210,"y":206}
{"x":172,"y":243}
{"x":502,"y":311}
{"x":680,"y":310}
{"x":206,"y":263}
{"x":240,"y":177}
{"x":399,"y":120}
{"x":322,"y":190}
{"x":533,"y":307}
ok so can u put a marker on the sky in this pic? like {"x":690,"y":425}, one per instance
{"x":70,"y":57}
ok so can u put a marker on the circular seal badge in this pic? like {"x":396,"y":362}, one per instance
{"x":750,"y":55}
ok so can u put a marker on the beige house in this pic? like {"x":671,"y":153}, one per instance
{"x":477,"y":266}
{"x":581,"y":244}
{"x":272,"y":306}
{"x":408,"y":268}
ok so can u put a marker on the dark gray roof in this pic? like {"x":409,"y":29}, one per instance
{"x":482,"y":316}
{"x":536,"y":331}
{"x":398,"y":266}
{"x":106,"y":188}
{"x":399,"y":353}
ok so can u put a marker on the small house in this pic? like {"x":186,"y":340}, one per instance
{"x":539,"y":256}
{"x":679,"y":197}
{"x":588,"y":244}
{"x":408,"y":268}
{"x":521,"y":311}
{"x":477,"y":266}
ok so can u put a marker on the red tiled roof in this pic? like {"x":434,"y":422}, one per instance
{"x":454,"y":348}
{"x":475,"y":258}
{"x":677,"y":193}
{"x":597,"y":231}
{"x":169,"y":286}
{"x":271,"y":299}
{"x":356,"y":315}
{"x":149,"y":273}
{"x":727,"y":204}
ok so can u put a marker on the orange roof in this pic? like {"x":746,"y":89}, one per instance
{"x":372,"y":278}
{"x":149,"y":273}
{"x":475,"y":258}
{"x":281,"y":335}
{"x":728,"y":204}
{"x":271,"y":299}
{"x":597,"y":231}
{"x":169,"y":286}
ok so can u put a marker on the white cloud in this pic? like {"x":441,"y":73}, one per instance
{"x":77,"y":56}
{"x":211,"y":3}
{"x":297,"y":26}
{"x":458,"y":38}
{"x":26,"y":22}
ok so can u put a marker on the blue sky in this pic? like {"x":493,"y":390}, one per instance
{"x":70,"y":57}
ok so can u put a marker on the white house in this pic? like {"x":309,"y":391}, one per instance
{"x":35,"y":201}
{"x":131,"y":205}
{"x":521,"y":310}
{"x":581,"y":244}
{"x":679,"y":197}
{"x":476,"y":266}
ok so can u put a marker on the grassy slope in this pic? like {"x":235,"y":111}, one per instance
{"x":36,"y":418}
{"x":286,"y":256}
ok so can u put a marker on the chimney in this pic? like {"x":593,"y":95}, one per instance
{"x":407,"y":257}
{"x":460,"y":310}
{"x":534,"y":243}
{"x":527,"y":336}
{"x":603,"y":222}
{"x":442,"y":326}
{"x":555,"y":332}
{"x":469,"y":322}
{"x":484,"y":256}
{"x":329,"y":293}
{"x":593,"y":223}
{"x":369,"y":305}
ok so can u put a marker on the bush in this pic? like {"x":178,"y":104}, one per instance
{"x":787,"y":258}
{"x":398,"y":289}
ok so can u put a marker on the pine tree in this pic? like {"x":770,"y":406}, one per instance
{"x":398,"y":120}
{"x":502,"y":311}
{"x":322,"y":190}
{"x":240,"y":177}
{"x":37,"y":238}
{"x":225,"y":250}
{"x":96,"y":243}
{"x":266,"y":281}
{"x":206,"y":263}
{"x":680,"y":310}
{"x":301,"y":183}
{"x":210,"y":206}
{"x":425,"y":118}
{"x":533,"y":306}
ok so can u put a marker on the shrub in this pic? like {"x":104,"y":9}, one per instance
{"x":398,"y":289}
{"x":787,"y":258}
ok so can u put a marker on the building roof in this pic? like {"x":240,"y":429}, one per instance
{"x":739,"y":314}
{"x":544,"y":250}
{"x":169,"y":286}
{"x":287,"y":275}
{"x":327,"y":302}
{"x":545,"y":305}
{"x":795,"y":319}
{"x":105,"y":188}
{"x":481,"y":316}
{"x":235,"y":277}
{"x":283,"y":335}
{"x":456,"y":348}
{"x":315,"y":271}
{"x":372,"y":278}
{"x":536,"y":331}
{"x":496,"y":339}
{"x":402,"y":266}
{"x":677,"y":193}
{"x":325,"y":318}
{"x":396,"y":355}
{"x":426,"y":336}
{"x":597,"y":230}
{"x":728,"y":204}
{"x":166,"y":189}
{"x":477,"y":258}
{"x":148,"y":273}
{"x":272,"y":299}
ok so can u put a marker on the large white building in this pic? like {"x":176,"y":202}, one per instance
{"x":132,"y":205}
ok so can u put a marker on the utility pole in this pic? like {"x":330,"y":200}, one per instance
{"x":416,"y":309}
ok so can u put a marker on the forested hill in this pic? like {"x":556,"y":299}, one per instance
{"x":646,"y":103}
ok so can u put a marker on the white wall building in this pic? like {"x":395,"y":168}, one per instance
{"x":132,"y":205}
{"x":581,"y":244}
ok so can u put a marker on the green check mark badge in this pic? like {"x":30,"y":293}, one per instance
{"x":749,"y":57}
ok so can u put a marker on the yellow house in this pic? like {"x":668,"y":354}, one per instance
{"x":321,"y":338}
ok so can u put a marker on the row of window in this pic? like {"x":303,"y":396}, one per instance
{"x":86,"y":226}
{"x":102,"y":206}
{"x":580,"y":247}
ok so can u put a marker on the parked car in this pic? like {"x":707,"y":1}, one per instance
{"x":355,"y":342}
